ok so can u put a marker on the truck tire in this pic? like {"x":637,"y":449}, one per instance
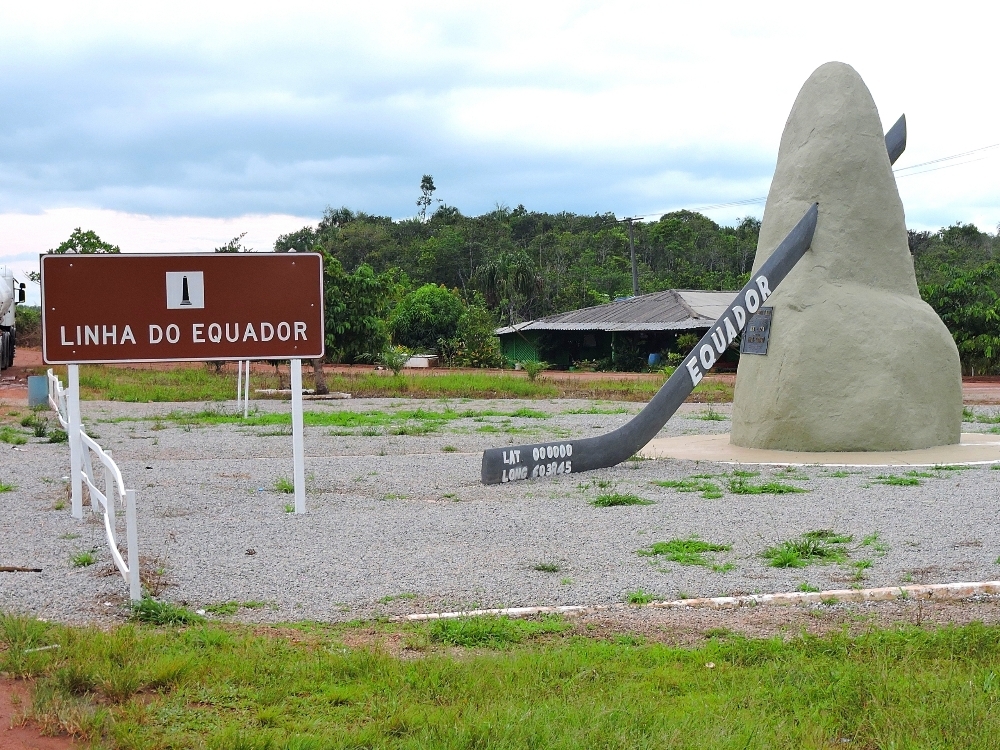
{"x":4,"y":340}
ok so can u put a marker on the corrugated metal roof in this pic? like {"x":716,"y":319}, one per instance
{"x":669,"y":310}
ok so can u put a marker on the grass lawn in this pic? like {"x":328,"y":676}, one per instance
{"x":499,"y":683}
{"x":202,"y":383}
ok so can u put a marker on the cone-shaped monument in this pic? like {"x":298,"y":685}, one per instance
{"x":856,"y":361}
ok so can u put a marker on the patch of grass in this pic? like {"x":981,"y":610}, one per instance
{"x":639,"y":597}
{"x":547,"y":567}
{"x":821,"y":546}
{"x":710,"y":415}
{"x":298,"y":688}
{"x":947,"y":467}
{"x":283,"y":484}
{"x":58,"y":436}
{"x":598,"y":410}
{"x":616,"y":499}
{"x":740,"y":486}
{"x":7,"y":487}
{"x":59,"y":505}
{"x":225,"y":609}
{"x":876,"y":544}
{"x":860,"y":566}
{"x":690,"y":551}
{"x":838,"y":474}
{"x":69,"y":535}
{"x":155,"y":612}
{"x":185,"y":382}
{"x":807,"y":588}
{"x":449,"y":449}
{"x":11,"y":436}
{"x":289,"y":508}
{"x":895,"y":480}
{"x":566,"y":582}
{"x":83,"y":559}
{"x":709,"y":490}
{"x":405,"y":596}
{"x":487,"y":631}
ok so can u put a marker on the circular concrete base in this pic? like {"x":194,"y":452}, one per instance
{"x":975,"y":448}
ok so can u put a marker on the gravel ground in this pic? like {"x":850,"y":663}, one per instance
{"x":399,"y":523}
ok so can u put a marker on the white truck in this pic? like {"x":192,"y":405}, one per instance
{"x":11,"y":293}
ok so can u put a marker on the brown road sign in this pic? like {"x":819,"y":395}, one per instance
{"x":185,"y":307}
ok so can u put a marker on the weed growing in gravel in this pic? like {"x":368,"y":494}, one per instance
{"x":807,"y":588}
{"x":58,"y":436}
{"x":155,"y":612}
{"x":639,"y":597}
{"x":9,"y":435}
{"x":793,"y":473}
{"x":895,"y":480}
{"x":449,"y":449}
{"x":710,"y":415}
{"x":838,"y":474}
{"x":697,"y":483}
{"x":6,"y":487}
{"x":83,"y":559}
{"x":289,"y":508}
{"x":405,"y":596}
{"x":598,"y":410}
{"x":740,"y":486}
{"x":566,"y":582}
{"x":225,"y":609}
{"x":69,"y":536}
{"x":487,"y":631}
{"x":546,"y":567}
{"x":860,"y":566}
{"x":819,"y":546}
{"x":283,"y":484}
{"x":876,"y":545}
{"x":59,"y":505}
{"x":615,"y":499}
{"x":690,"y":551}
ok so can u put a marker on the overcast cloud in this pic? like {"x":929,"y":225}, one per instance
{"x":179,"y":126}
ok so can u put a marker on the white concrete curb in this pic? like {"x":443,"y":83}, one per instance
{"x":931,"y":592}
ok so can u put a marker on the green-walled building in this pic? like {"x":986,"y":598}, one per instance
{"x":623,"y":333}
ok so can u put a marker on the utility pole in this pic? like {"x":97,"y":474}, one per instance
{"x":631,"y":247}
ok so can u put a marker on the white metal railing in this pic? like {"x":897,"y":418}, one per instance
{"x":57,"y":400}
{"x":83,"y":449}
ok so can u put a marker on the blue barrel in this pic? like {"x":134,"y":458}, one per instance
{"x":654,"y":360}
{"x":38,"y":390}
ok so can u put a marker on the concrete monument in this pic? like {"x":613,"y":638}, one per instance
{"x":856,"y":361}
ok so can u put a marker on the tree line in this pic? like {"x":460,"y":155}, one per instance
{"x":444,"y":281}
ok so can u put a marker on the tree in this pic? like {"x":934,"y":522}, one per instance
{"x":235,"y":245}
{"x":356,"y":306}
{"x":426,"y":191}
{"x":302,"y":241}
{"x":968,"y":303}
{"x":85,"y":243}
{"x":426,"y":315}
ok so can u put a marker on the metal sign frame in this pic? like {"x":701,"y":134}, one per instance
{"x":152,"y":301}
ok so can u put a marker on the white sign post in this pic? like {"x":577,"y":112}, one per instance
{"x":75,"y":445}
{"x":298,"y":448}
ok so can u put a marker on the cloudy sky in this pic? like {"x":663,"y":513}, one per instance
{"x":176,"y":127}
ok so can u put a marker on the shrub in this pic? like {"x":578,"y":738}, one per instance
{"x":426,"y":315}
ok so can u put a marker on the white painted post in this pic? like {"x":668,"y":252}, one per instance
{"x":239,"y":380}
{"x":298,"y":448}
{"x":132,"y":540}
{"x":75,"y":446}
{"x":246,"y":393}
{"x":109,"y":504}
